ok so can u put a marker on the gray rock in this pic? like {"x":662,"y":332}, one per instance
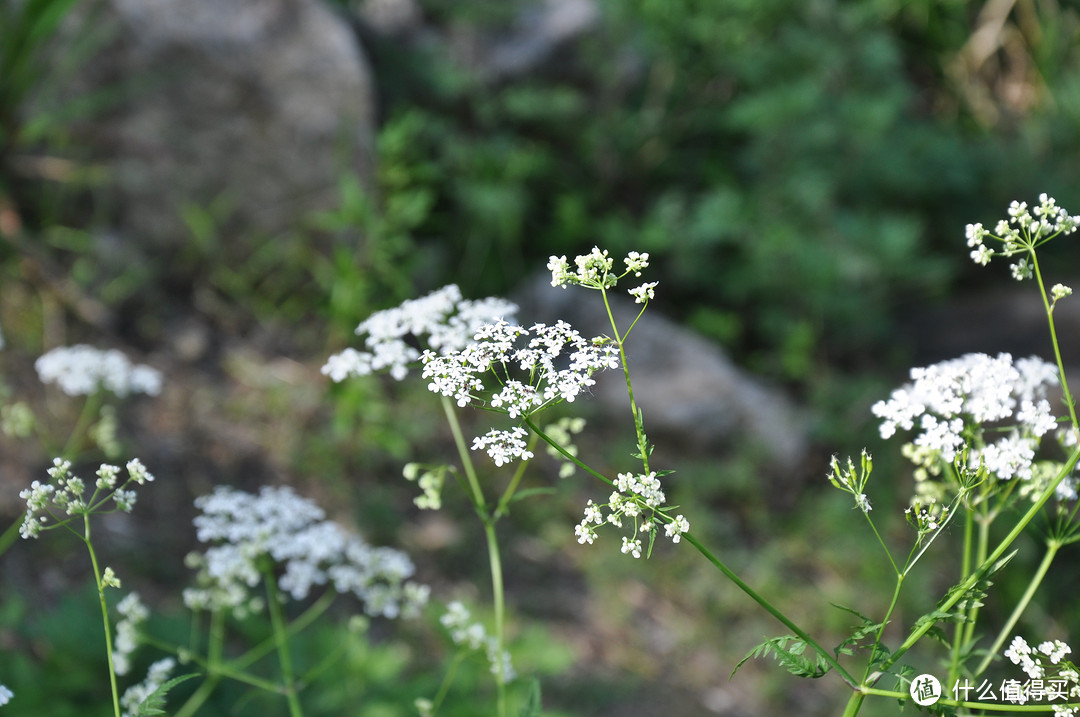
{"x":687,"y":388}
{"x":258,"y":105}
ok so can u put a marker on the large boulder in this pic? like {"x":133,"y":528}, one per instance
{"x":254,"y":106}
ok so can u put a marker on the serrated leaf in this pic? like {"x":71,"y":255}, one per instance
{"x":788,"y":651}
{"x":154,"y":703}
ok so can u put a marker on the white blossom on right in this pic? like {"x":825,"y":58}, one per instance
{"x":994,"y":408}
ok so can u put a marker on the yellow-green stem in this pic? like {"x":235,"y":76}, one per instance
{"x":1052,"y":548}
{"x":958,"y":593}
{"x":494,"y":559}
{"x":104,"y":614}
{"x":277,"y":621}
{"x":499,"y":600}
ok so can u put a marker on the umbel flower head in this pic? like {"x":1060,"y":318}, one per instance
{"x":1022,"y":232}
{"x":595,"y":271}
{"x":638,"y":505}
{"x":442,"y":320}
{"x":82,"y":370}
{"x":280,"y":531}
{"x":66,"y":495}
{"x":994,"y":407}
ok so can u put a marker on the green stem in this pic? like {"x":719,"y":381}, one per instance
{"x":959,"y":592}
{"x":1052,"y":548}
{"x":296,"y":626}
{"x":499,"y":599}
{"x":768,"y":607}
{"x":494,"y":559}
{"x":984,"y":706}
{"x":104,"y":614}
{"x":463,"y":453}
{"x":8,"y":538}
{"x":1066,"y":395}
{"x":277,"y":620}
{"x":444,"y":687}
{"x":639,"y":429}
{"x":502,"y":507}
{"x":89,"y":410}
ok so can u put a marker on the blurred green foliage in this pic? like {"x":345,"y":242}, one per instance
{"x":797,"y":168}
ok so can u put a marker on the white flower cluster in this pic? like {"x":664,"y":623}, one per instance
{"x":132,"y":613}
{"x":952,"y":402}
{"x":277,"y":525}
{"x":1047,"y":661}
{"x":496,"y":350}
{"x":1022,"y":231}
{"x":66,"y":496}
{"x":5,"y":695}
{"x":594,"y":271}
{"x":504,"y":446}
{"x":157,"y":674}
{"x":443,"y":316}
{"x":81,"y":370}
{"x":473,"y":636}
{"x":637,"y":497}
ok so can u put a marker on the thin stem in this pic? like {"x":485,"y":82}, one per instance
{"x":104,"y":614}
{"x":7,"y":539}
{"x":494,"y":559}
{"x":448,"y":680}
{"x":463,"y":453}
{"x":960,"y":590}
{"x":293,"y":628}
{"x":769,"y":608}
{"x":639,"y":429}
{"x":499,"y":600}
{"x":565,"y":453}
{"x":985,"y":706}
{"x":1052,"y":548}
{"x":89,"y":409}
{"x":502,"y":507}
{"x":1067,"y":397}
{"x":277,"y":620}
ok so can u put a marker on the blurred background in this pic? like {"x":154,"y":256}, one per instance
{"x":225,"y":189}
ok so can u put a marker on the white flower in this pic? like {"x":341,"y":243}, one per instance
{"x":504,"y":446}
{"x":81,"y":370}
{"x":5,"y":695}
{"x":156,"y":676}
{"x":132,"y":613}
{"x":473,"y":636}
{"x":643,"y":293}
{"x":443,"y":320}
{"x":557,"y":361}
{"x":309,"y":551}
{"x":67,"y":494}
{"x":952,"y":401}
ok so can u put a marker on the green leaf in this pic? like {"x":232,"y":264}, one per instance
{"x":154,"y":703}
{"x":788,"y":651}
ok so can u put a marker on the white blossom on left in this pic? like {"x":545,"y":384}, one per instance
{"x":292,"y":532}
{"x":81,"y":370}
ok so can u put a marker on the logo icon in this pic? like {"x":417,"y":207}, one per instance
{"x":925,"y":690}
